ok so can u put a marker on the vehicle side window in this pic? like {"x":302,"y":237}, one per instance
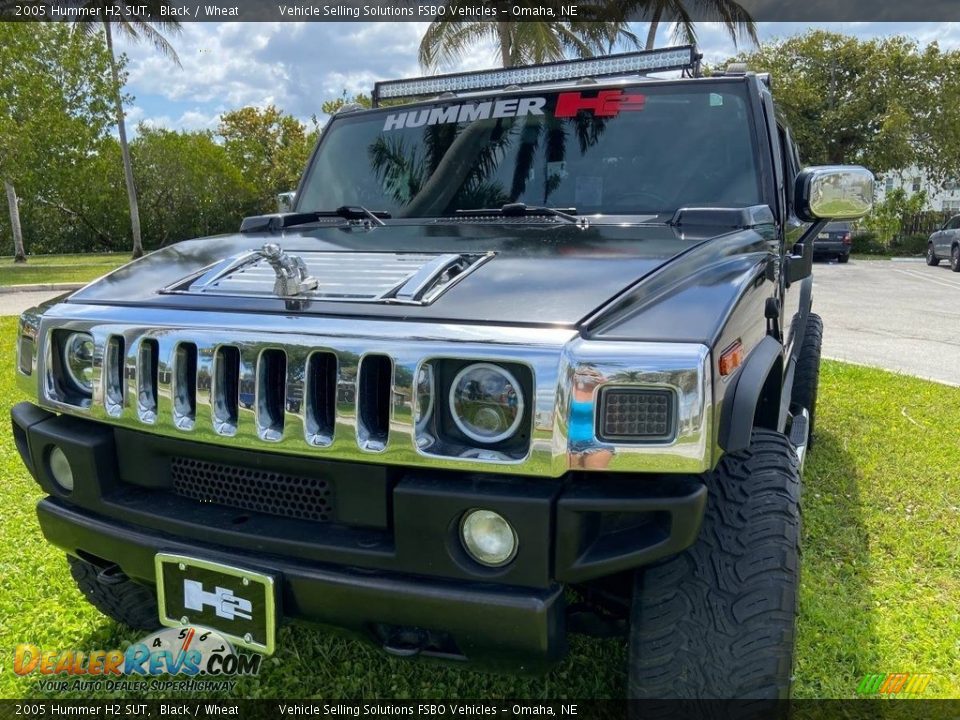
{"x":953,"y":223}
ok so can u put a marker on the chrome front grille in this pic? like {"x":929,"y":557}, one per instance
{"x":343,"y":388}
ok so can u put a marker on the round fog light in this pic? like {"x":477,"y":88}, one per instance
{"x":488,"y":537}
{"x":60,"y":469}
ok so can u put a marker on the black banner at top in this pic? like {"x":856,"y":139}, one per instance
{"x":478,"y":10}
{"x":325,"y":709}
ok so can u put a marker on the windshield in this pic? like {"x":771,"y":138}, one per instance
{"x":637,"y":150}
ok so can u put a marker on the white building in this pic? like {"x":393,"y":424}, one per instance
{"x":945,"y":197}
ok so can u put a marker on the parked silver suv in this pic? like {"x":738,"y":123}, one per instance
{"x":945,"y":243}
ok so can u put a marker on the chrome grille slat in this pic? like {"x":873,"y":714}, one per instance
{"x":294,"y":389}
{"x":247,"y":400}
{"x":375,"y":387}
{"x":203,"y":402}
{"x":225,"y":390}
{"x":320,"y":398}
{"x":166,"y":346}
{"x":271,"y":394}
{"x":114,"y":377}
{"x":146,"y":368}
{"x":132,"y":386}
{"x":183,"y":385}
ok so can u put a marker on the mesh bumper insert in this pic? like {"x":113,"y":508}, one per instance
{"x":256,"y":490}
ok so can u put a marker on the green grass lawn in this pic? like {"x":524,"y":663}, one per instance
{"x":880,"y":586}
{"x":59,"y":268}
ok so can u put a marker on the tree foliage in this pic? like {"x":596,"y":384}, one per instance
{"x":128,"y":21}
{"x":56,"y":95}
{"x":884,"y":103}
{"x":886,"y":219}
{"x":268,"y":147}
{"x":188,"y":186}
{"x":329,"y":107}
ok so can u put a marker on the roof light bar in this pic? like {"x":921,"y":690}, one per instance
{"x":684,"y":57}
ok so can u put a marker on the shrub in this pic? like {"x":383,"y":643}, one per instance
{"x":865,"y":242}
{"x":915,"y":244}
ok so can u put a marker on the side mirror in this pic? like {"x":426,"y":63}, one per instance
{"x":286,"y":201}
{"x":833,"y":192}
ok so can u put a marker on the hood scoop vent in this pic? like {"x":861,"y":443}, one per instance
{"x":412,"y":278}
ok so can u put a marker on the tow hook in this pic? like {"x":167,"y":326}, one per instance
{"x":111,"y":575}
{"x":405,"y":642}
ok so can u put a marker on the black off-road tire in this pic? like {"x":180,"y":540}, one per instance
{"x":843,"y":259}
{"x":806,"y":379}
{"x":116,"y":596}
{"x":955,"y":258}
{"x":718,"y":620}
{"x":932,"y":259}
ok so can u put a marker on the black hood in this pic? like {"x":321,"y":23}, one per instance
{"x":540,"y":274}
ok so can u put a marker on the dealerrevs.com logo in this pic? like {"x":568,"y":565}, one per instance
{"x":184,"y":653}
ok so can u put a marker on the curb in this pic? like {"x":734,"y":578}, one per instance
{"x":40,"y":287}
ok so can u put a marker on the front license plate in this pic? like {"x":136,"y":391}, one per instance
{"x":239,"y":604}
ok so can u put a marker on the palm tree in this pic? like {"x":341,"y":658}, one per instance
{"x":130,"y":26}
{"x":735,"y":18}
{"x":519,"y":43}
{"x":13,"y":204}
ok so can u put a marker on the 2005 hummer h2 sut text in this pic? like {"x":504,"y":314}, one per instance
{"x":531,"y":357}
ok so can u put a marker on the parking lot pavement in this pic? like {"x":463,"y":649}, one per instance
{"x":902,"y":316}
{"x":15,"y":303}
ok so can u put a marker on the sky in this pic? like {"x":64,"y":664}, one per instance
{"x":296,"y":66}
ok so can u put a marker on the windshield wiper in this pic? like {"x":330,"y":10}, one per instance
{"x":358,"y":212}
{"x":272,"y":223}
{"x":524,"y":210}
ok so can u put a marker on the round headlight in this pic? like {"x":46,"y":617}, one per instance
{"x":78,"y":361}
{"x":488,"y":537}
{"x":486,"y":402}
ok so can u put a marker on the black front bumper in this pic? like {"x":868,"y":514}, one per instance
{"x":389,"y":564}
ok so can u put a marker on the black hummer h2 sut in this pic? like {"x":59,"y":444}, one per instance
{"x":547,"y":331}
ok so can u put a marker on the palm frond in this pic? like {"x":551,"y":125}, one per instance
{"x":446,"y":42}
{"x":135,"y":30}
{"x":159,"y":42}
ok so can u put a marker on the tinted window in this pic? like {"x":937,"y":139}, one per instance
{"x":634,"y":150}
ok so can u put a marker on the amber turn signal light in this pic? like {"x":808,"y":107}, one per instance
{"x":731,"y":358}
